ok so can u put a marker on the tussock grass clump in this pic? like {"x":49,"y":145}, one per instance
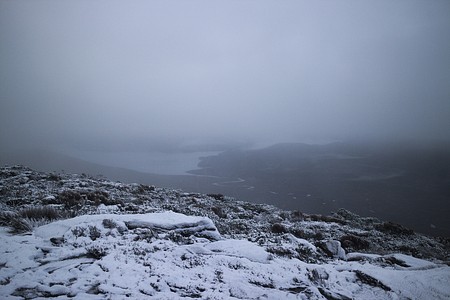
{"x":27,"y":218}
{"x":40,"y":213}
{"x":6,"y":217}
{"x":15,"y":222}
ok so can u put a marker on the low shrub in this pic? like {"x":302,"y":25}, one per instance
{"x":53,"y":177}
{"x":70,"y":198}
{"x":393,"y":228}
{"x":326,"y":219}
{"x":217,"y":196}
{"x":98,"y":197}
{"x":280,"y":251}
{"x":352,"y":242}
{"x":109,"y":224}
{"x":307,"y":235}
{"x":94,"y":233}
{"x":278,"y":228}
{"x":219,"y":212}
{"x":96,"y":251}
{"x":297,"y":216}
{"x":79,"y":231}
{"x":143,"y":189}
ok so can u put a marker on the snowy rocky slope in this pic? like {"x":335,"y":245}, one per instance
{"x":74,"y":236}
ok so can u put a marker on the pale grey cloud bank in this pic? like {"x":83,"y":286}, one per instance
{"x":81,"y":71}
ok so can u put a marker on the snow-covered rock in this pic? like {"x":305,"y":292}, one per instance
{"x":334,"y":249}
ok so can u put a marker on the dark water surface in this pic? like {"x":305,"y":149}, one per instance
{"x":407,"y":183}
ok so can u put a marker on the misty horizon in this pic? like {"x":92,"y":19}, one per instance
{"x":170,"y":73}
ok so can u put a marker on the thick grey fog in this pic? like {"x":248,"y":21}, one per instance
{"x":138,"y":91}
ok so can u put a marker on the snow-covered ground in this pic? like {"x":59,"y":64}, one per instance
{"x":139,"y":248}
{"x":171,"y":256}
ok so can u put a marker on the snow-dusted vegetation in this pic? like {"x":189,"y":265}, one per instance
{"x":74,"y":236}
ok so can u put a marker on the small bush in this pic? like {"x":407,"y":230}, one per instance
{"x":191,"y":261}
{"x":306,"y":254}
{"x":70,"y":198}
{"x":218,"y":276}
{"x":280,"y":251}
{"x":219,"y":212}
{"x":97,"y":252}
{"x":143,"y":189}
{"x":299,"y":233}
{"x":14,"y":202}
{"x":216,"y":196}
{"x":352,"y":242}
{"x":53,"y":177}
{"x":109,"y":224}
{"x":79,"y":231}
{"x":239,"y":226}
{"x":179,"y":238}
{"x":146,"y":235}
{"x":297,"y":216}
{"x":236,"y":265}
{"x":94,"y":233}
{"x":409,"y":250}
{"x":278,"y":228}
{"x":98,"y":197}
{"x":326,"y":219}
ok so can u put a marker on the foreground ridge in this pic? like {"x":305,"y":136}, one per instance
{"x":68,"y":235}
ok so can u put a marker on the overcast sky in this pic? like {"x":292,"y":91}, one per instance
{"x":73,"y":72}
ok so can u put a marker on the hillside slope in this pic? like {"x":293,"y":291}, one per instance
{"x":68,"y":235}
